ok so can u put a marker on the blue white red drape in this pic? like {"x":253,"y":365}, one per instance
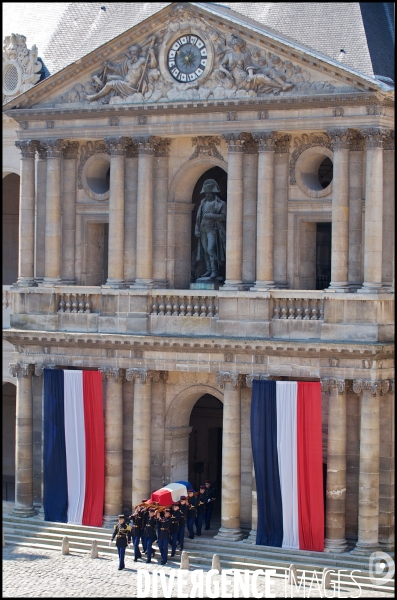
{"x":74,"y":454}
{"x":286,"y":435}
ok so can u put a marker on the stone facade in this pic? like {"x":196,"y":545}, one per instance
{"x":105,"y":260}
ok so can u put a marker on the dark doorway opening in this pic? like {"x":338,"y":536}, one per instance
{"x":220,"y":176}
{"x":323,"y":255}
{"x":205,"y":445}
{"x":10,"y":207}
{"x":97,"y":253}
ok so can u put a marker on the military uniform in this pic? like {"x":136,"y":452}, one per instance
{"x":122,"y":533}
{"x":149,"y":533}
{"x":202,"y":499}
{"x":191,"y":515}
{"x":136,"y":527}
{"x":174,"y":530}
{"x":211,"y":497}
{"x":182,"y":523}
{"x":164,"y":536}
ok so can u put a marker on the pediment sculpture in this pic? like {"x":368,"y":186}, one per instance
{"x":190,"y":60}
{"x":21,"y":66}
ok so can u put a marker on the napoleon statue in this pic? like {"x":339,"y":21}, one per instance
{"x":211,"y":230}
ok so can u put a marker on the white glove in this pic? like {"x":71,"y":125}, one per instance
{"x":110,"y":543}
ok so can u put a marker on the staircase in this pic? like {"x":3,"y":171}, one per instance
{"x":233,"y":555}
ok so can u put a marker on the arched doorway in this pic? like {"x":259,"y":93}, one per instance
{"x":8,"y":414}
{"x":205,"y":445}
{"x":10,"y":228}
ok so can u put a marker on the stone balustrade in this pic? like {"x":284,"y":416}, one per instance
{"x":75,"y":303}
{"x":185,"y":306}
{"x":298,"y":309}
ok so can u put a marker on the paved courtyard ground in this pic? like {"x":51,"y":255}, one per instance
{"x":32,"y":572}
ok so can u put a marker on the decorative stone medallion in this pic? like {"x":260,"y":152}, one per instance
{"x":187,"y":58}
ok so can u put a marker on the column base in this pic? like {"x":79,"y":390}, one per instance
{"x":143,"y":284}
{"x":23,"y":511}
{"x":388,"y":288}
{"x":337,"y":546}
{"x":365,"y":549}
{"x":68,"y":281}
{"x":354,"y":287}
{"x":338,"y":287}
{"x":387,"y":545}
{"x":251,"y":539}
{"x":370,"y":288}
{"x":231,"y":535}
{"x":25,"y":282}
{"x":51,"y":281}
{"x":109,"y":521}
{"x":263,"y":286}
{"x":114,"y":283}
{"x":232,"y":285}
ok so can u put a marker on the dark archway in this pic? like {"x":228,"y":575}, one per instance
{"x":220,"y":176}
{"x":11,"y":184}
{"x":205,"y":444}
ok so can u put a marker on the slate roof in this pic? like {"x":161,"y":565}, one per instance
{"x":67,"y":31}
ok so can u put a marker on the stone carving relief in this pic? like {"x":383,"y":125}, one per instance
{"x":302,"y":143}
{"x":206,"y":145}
{"x":21,"y":67}
{"x":236,"y":68}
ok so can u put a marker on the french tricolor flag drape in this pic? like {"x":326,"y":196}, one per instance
{"x":286,"y":435}
{"x":74,"y":454}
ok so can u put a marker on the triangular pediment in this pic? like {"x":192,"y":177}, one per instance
{"x":194,"y":53}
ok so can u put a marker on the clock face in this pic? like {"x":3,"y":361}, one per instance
{"x":187,"y":58}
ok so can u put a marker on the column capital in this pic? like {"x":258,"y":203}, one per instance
{"x":110,"y":373}
{"x":161,"y":146}
{"x":117,"y":145}
{"x":70,"y":151}
{"x":249,"y":379}
{"x":327,"y":384}
{"x":341,"y":137}
{"x":282,"y":144}
{"x":266,"y":140}
{"x":374,"y":136}
{"x":18,"y":369}
{"x":376,"y":387}
{"x":235,"y":141}
{"x":39,"y":369}
{"x":146,"y":145}
{"x":234,"y":378}
{"x":250,"y":144}
{"x":143,"y":375}
{"x":27,"y":147}
{"x":388,"y":142}
{"x":54,"y":148}
{"x":132,"y":149}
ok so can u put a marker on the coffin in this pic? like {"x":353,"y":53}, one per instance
{"x":169,"y":493}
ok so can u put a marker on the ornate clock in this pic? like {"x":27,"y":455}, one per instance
{"x":187,"y":58}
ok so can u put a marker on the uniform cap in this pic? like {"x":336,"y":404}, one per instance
{"x":167,"y":510}
{"x":121,"y":517}
{"x":202,"y":486}
{"x":191,"y":490}
{"x":145,"y":499}
{"x":152,"y":509}
{"x":207,"y":481}
{"x":182,"y":498}
{"x":210,"y":185}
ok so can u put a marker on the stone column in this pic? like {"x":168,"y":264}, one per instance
{"x":335,"y":515}
{"x":23,"y":441}
{"x":373,"y":228}
{"x":340,"y":210}
{"x":388,"y":237}
{"x":117,"y":149}
{"x":26,"y":213}
{"x":52,"y":271}
{"x":113,"y":443}
{"x":387,"y":467}
{"x":160,"y":210}
{"x":41,"y":185}
{"x":368,"y":486}
{"x":231,"y":458}
{"x":281,"y":174}
{"x":144,"y":235}
{"x":250,"y":178}
{"x":356,"y":195}
{"x":141,"y":443}
{"x":69,"y":187}
{"x":130,"y":216}
{"x":265,"y":212}
{"x":234,"y":216}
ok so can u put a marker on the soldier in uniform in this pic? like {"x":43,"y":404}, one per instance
{"x":191,"y":513}
{"x":211,"y":497}
{"x":122,"y":533}
{"x":149,"y":533}
{"x":136,"y":527}
{"x":176,"y":517}
{"x":201,"y":508}
{"x":183,"y":510}
{"x":164,"y":534}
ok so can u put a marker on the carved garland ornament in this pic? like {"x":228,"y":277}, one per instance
{"x":206,"y":146}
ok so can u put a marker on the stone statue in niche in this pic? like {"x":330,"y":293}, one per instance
{"x":135,"y":75}
{"x":211,"y":230}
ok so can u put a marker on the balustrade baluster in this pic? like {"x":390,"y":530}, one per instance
{"x":196,"y":307}
{"x":81,"y":305}
{"x":175,"y":307}
{"x":307,"y":311}
{"x":203,"y":308}
{"x":88,"y":304}
{"x":291,"y":310}
{"x":276,"y":310}
{"x":168,"y":306}
{"x":161,"y":306}
{"x":210,"y":311}
{"x":155,"y":306}
{"x":61,"y":308}
{"x":189,"y":307}
{"x":299,"y":310}
{"x":182,"y":307}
